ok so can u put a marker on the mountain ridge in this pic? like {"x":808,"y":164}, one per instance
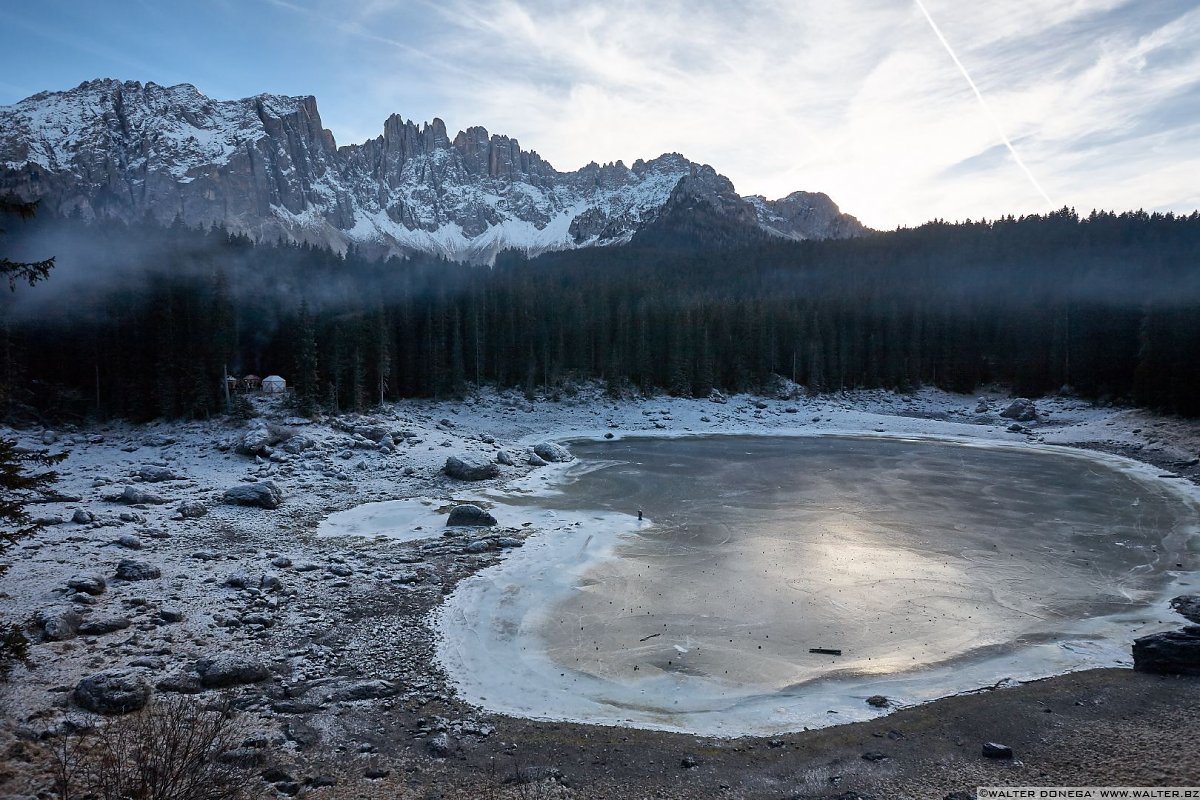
{"x":266,"y":166}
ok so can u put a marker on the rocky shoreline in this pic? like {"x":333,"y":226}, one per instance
{"x":184,"y":558}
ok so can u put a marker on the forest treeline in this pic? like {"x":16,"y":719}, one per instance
{"x":141,"y":321}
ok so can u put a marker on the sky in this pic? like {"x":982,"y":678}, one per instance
{"x":902,"y":111}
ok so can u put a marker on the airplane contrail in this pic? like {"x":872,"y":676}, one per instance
{"x":983,"y":104}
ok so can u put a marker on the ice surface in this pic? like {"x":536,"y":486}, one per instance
{"x":935,"y":567}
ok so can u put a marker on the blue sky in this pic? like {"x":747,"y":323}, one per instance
{"x":860,"y":99}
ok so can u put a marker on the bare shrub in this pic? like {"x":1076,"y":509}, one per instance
{"x":175,"y":749}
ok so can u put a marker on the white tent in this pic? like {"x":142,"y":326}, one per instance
{"x":273,"y":384}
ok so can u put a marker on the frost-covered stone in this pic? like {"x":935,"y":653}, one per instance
{"x":137,"y":496}
{"x":130,"y":570}
{"x":230,"y":669}
{"x":1021,"y":410}
{"x":470,"y":467}
{"x":469,"y":515}
{"x":92,"y":583}
{"x":264,"y":494}
{"x":153,"y":474}
{"x":58,"y":624}
{"x":192,"y":509}
{"x":116,"y":691}
{"x":100,"y":625}
{"x":553,"y":453}
{"x":82,"y":517}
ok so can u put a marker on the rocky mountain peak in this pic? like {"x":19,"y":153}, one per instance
{"x":266,"y":166}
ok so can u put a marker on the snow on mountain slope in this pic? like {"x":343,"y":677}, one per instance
{"x":265,"y":166}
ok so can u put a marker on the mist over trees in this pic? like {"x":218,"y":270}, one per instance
{"x":140,"y":321}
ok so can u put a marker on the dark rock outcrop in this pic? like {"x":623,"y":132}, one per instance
{"x":116,"y":691}
{"x":469,"y":515}
{"x":264,"y":494}
{"x":470,"y":467}
{"x":1170,"y":652}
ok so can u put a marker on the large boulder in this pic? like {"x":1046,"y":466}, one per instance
{"x":371,"y":689}
{"x":1170,"y":652}
{"x":264,"y":494}
{"x":115,"y":691}
{"x":58,"y":624}
{"x":129,"y":569}
{"x":230,"y":669}
{"x":553,"y":453}
{"x":153,"y":474}
{"x":470,"y":515}
{"x":91,"y":583}
{"x":470,"y":467}
{"x":102,"y":624}
{"x":135,"y":496}
{"x":1021,"y":410}
{"x":255,"y":442}
{"x":1187,"y":605}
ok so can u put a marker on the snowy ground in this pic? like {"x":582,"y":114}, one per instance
{"x":328,"y":614}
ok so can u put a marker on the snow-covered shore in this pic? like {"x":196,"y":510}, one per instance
{"x":327,"y":614}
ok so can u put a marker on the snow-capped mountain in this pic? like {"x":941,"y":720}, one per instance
{"x":265,"y":166}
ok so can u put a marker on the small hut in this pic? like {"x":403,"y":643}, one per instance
{"x":273,"y":384}
{"x":251,"y":383}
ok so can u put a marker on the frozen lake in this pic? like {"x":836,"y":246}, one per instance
{"x":934,"y":567}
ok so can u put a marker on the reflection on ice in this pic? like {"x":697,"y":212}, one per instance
{"x":933,"y":567}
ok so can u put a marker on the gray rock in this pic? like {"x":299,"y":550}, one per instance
{"x":340,"y":570}
{"x":373,"y":689}
{"x":508,"y":541}
{"x":81,"y":517}
{"x":439,"y":745}
{"x":255,"y":442}
{"x":130,"y":570}
{"x":270,"y":583}
{"x":58,"y":624}
{"x":1169,"y":653}
{"x":553,"y":453}
{"x":128,"y":541}
{"x":981,"y":407}
{"x":281,"y":562}
{"x":192,"y":509}
{"x":230,"y":669}
{"x":115,"y":691}
{"x":135,"y":496}
{"x":877,"y":701}
{"x":470,"y":467}
{"x":264,"y":494}
{"x":1187,"y":605}
{"x":237,"y":580}
{"x":100,"y":625}
{"x":170,"y":614}
{"x":152,"y":474}
{"x":504,"y":457}
{"x":480,"y":546}
{"x":180,"y":683}
{"x":87,"y":582}
{"x":996,"y":750}
{"x":298,"y":444}
{"x":535,"y":460}
{"x":1022,"y":410}
{"x":469,"y":515}
{"x":148,"y":662}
